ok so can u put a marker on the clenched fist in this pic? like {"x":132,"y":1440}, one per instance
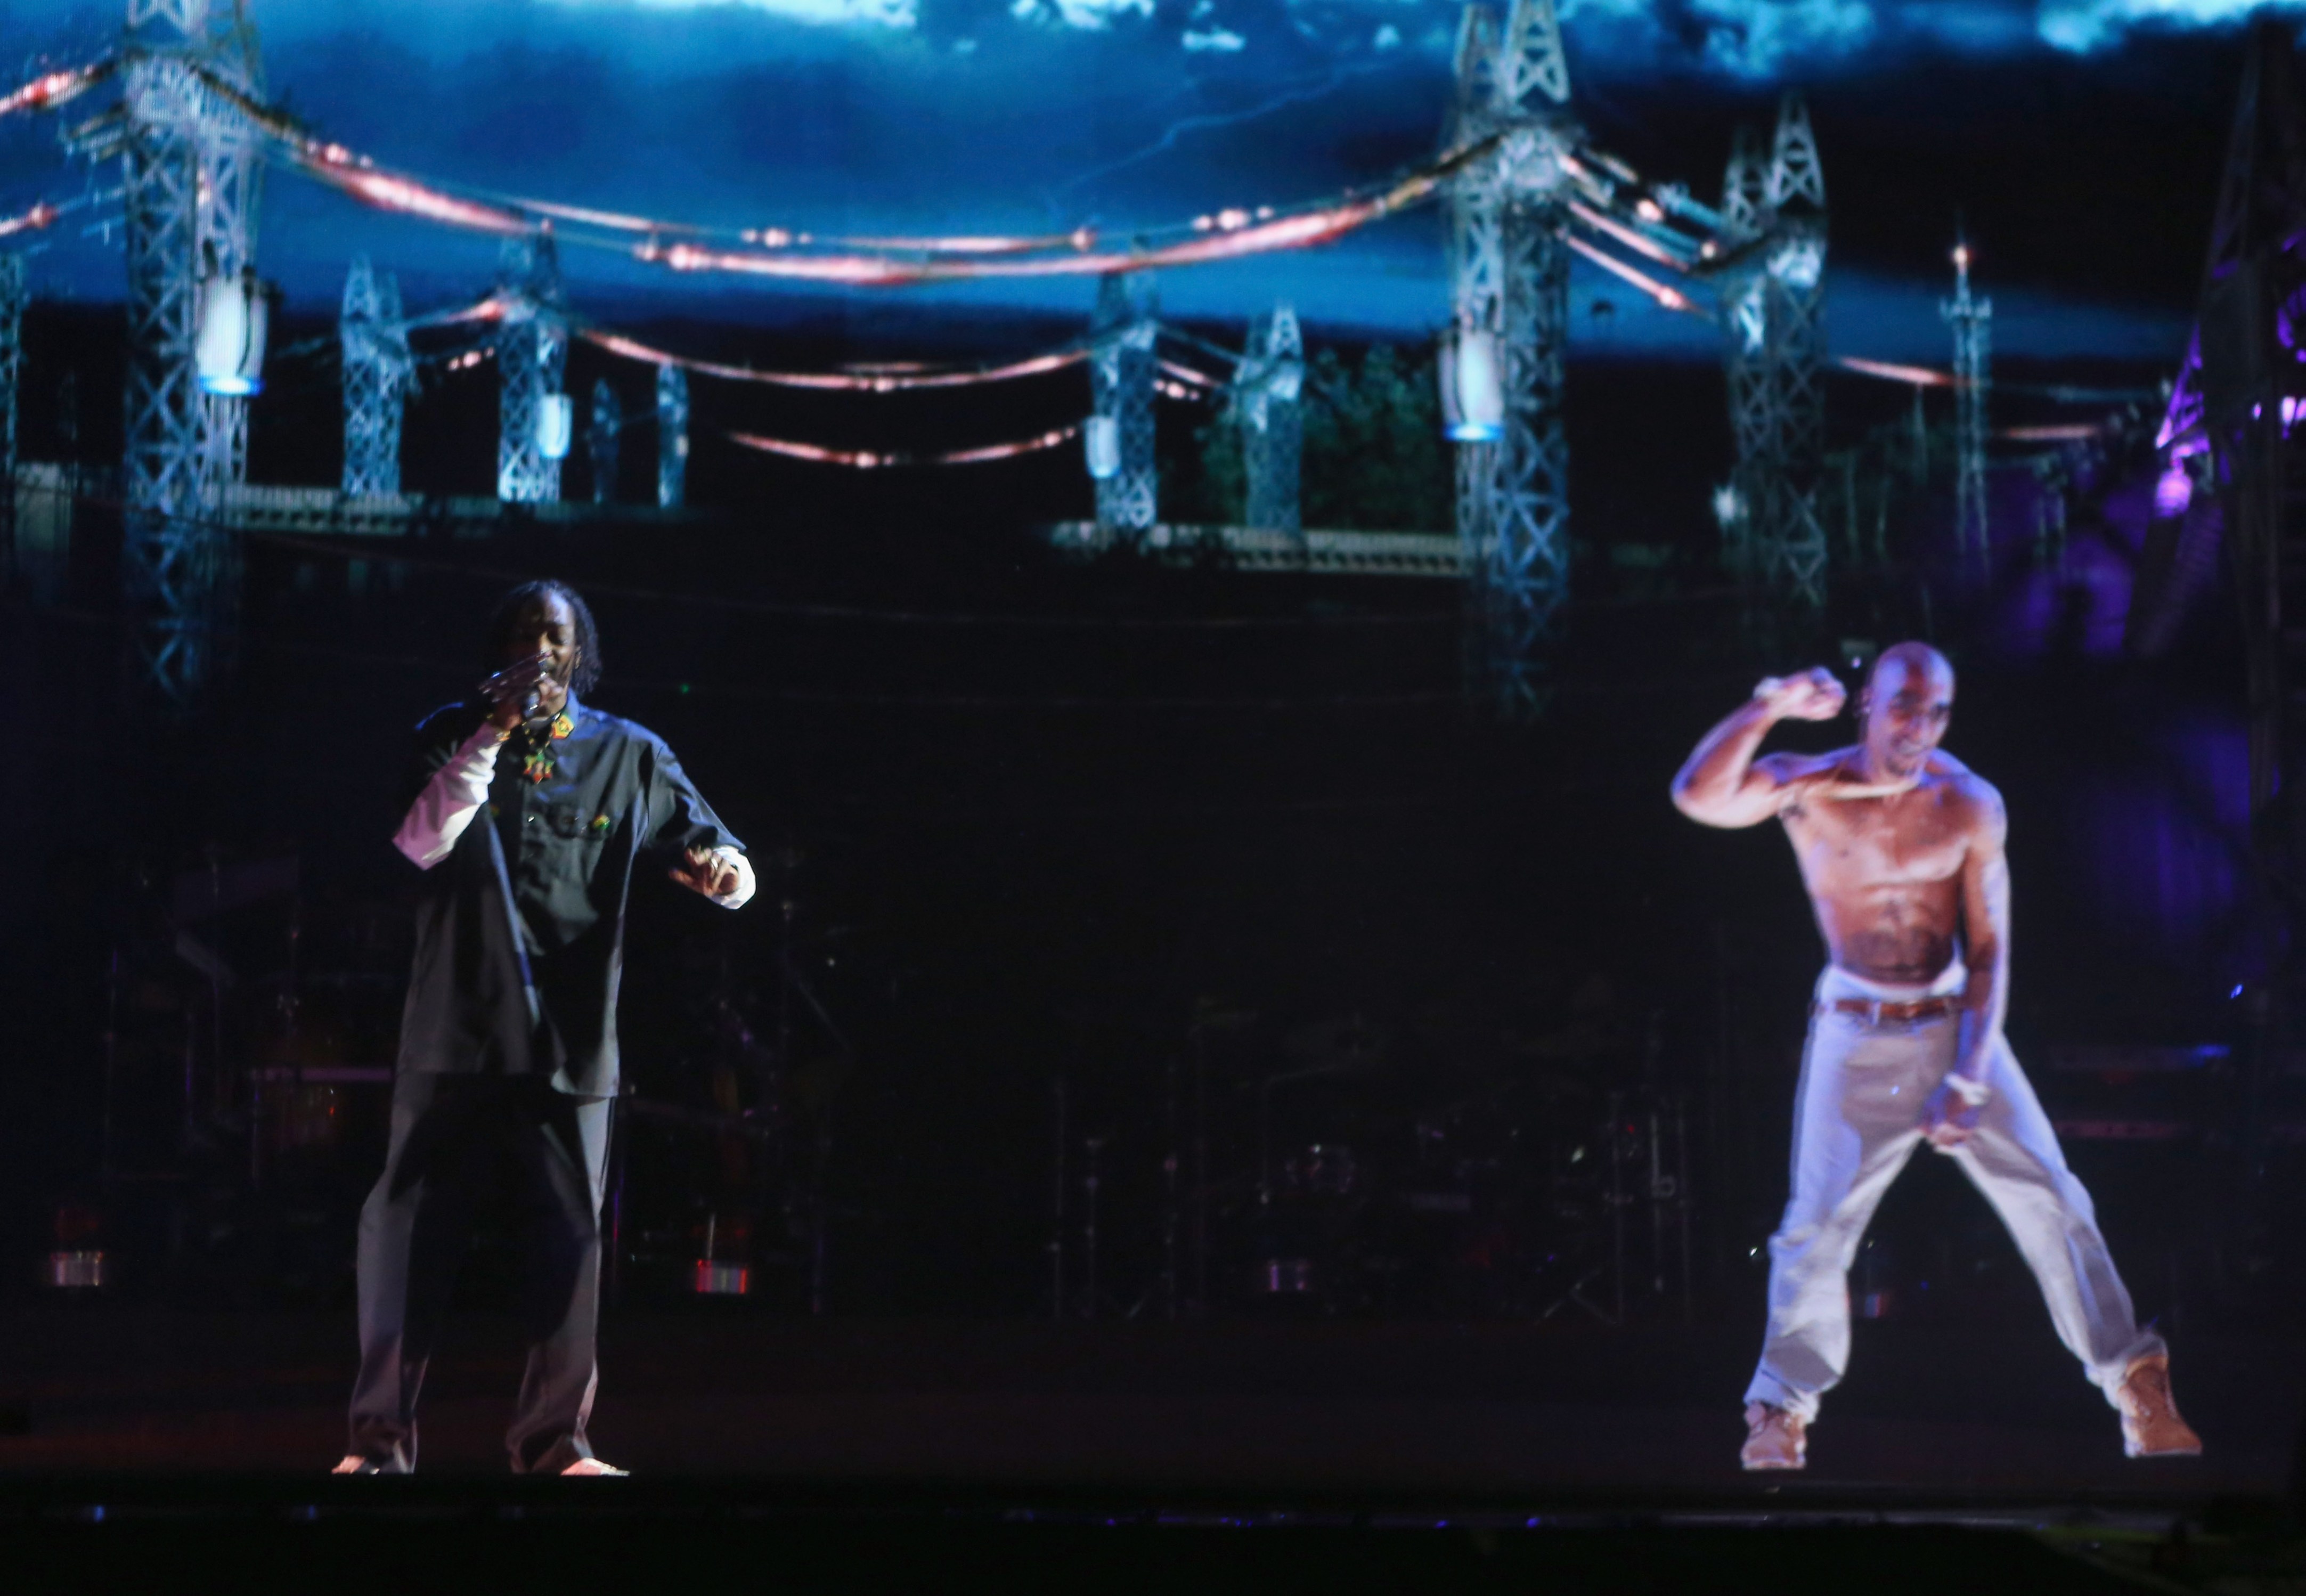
{"x":1812,"y":695}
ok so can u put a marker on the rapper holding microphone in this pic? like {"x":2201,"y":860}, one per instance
{"x":529,"y":812}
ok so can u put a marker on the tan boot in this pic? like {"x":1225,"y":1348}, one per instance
{"x":593,"y":1468}
{"x":2150,"y":1424}
{"x":1775,"y":1438}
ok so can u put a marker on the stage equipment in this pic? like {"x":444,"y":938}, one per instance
{"x":78,"y":1262}
{"x":1509,"y":280}
{"x":1548,"y":1191}
{"x":377,"y":373}
{"x":1121,"y":382}
{"x":711,"y":1278}
{"x":1267,"y":393}
{"x":671,"y":436}
{"x":1061,"y":1121}
{"x":532,"y":348}
{"x":1771,"y":288}
{"x":776,"y":1071}
{"x":1972,"y":321}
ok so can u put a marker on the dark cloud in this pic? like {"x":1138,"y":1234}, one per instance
{"x":2084,"y":175}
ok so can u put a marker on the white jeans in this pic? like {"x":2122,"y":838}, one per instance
{"x":1856,"y":1120}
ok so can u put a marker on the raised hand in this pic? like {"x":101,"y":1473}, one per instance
{"x":511,"y":689}
{"x":1812,"y":695}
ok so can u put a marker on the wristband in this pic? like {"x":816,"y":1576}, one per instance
{"x":1974,"y":1094}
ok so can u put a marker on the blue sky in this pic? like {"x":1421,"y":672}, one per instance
{"x":982,"y":115}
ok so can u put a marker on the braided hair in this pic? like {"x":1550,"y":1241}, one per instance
{"x":506,"y":613}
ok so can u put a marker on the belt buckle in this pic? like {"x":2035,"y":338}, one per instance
{"x":1873,"y":1013}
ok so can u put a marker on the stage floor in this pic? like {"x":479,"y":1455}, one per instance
{"x":1267,"y":1409}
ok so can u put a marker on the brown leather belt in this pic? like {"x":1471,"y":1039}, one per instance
{"x":1874,"y":1012}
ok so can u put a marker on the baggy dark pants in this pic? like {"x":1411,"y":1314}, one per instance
{"x":458,"y":1142}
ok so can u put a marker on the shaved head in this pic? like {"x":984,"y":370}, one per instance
{"x":1912,"y":658}
{"x":1906,"y":704}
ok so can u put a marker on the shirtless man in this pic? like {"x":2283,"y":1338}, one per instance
{"x":1900,"y":846}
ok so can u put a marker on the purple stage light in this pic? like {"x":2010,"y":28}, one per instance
{"x":2173,"y":491}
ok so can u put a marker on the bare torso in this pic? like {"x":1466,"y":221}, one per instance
{"x":1885,"y":872}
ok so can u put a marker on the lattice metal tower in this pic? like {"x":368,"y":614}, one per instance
{"x":376,"y":378}
{"x":672,"y":437}
{"x":1509,"y":279}
{"x":1773,"y":314}
{"x":189,"y":176}
{"x":1268,"y":390}
{"x":602,"y":440}
{"x":14,"y":295}
{"x":1745,"y":364}
{"x":1120,"y":384}
{"x":2248,"y":379}
{"x":1972,"y":321}
{"x":532,"y":349}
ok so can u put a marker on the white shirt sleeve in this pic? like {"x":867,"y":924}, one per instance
{"x":746,"y":885}
{"x":450,"y":800}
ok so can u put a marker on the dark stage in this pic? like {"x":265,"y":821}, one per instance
{"x":1229,"y":1412}
{"x":872,"y":1454}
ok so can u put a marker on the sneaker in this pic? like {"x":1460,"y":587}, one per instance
{"x":2150,"y":1424}
{"x":593,"y":1468}
{"x":1775,"y":1438}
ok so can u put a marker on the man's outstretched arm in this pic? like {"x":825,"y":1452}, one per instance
{"x":712,"y":862}
{"x":1722,"y":784}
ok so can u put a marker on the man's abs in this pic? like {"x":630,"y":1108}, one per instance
{"x":1901,"y":935}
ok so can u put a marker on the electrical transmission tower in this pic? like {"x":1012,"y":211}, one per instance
{"x":531,"y":348}
{"x":377,"y":373}
{"x":1509,"y":282}
{"x":1120,"y":384}
{"x":1268,"y":390}
{"x":1745,"y":363}
{"x":600,"y":441}
{"x":189,"y":179}
{"x":1773,"y":314}
{"x":1972,"y":320}
{"x":2246,"y":404}
{"x":14,"y":295}
{"x":671,"y":436}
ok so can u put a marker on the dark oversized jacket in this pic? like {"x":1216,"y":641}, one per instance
{"x":520,"y":930}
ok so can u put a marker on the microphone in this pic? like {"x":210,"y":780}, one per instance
{"x":523,"y":678}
